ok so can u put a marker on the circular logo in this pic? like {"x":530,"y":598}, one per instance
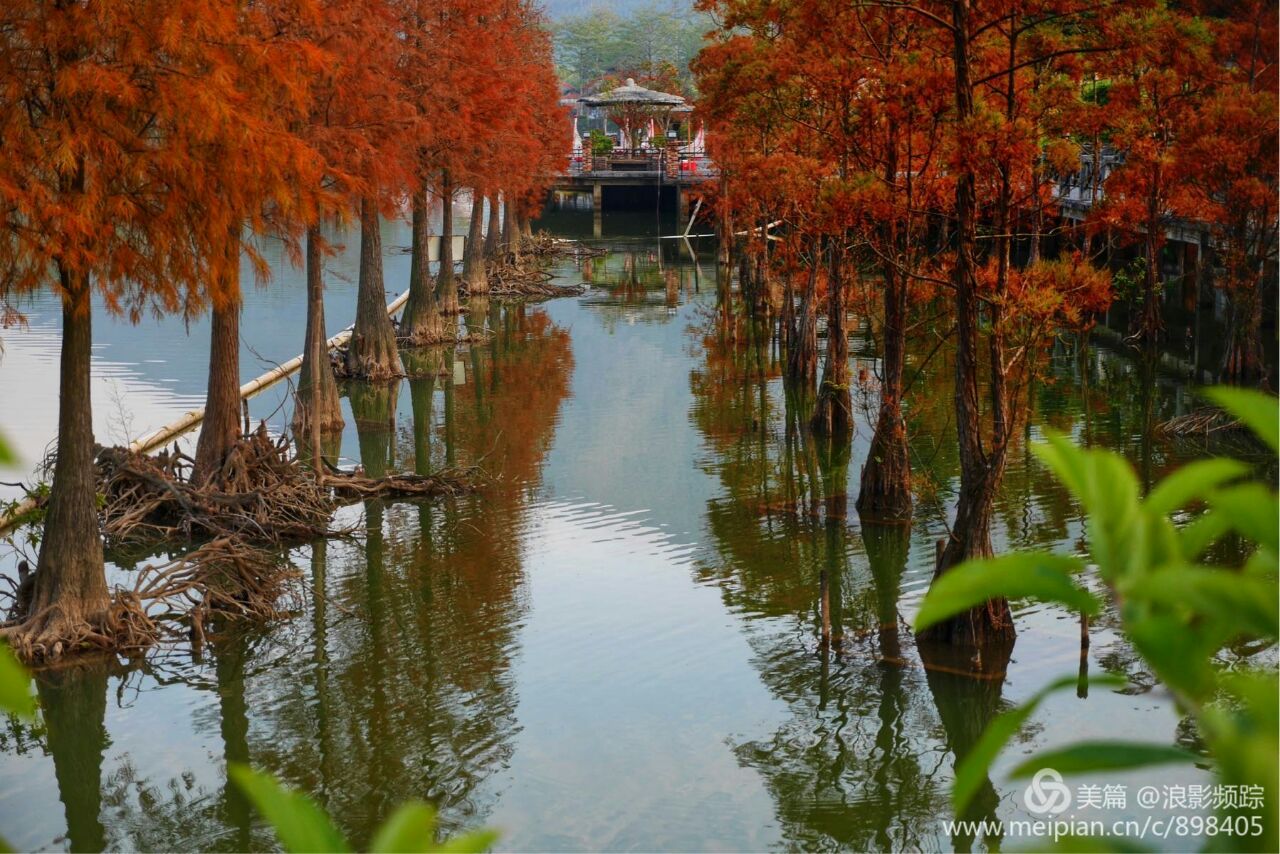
{"x":1047,"y":794}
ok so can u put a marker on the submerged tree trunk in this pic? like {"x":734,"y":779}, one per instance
{"x":474,"y":278}
{"x":421,"y":322}
{"x":372,"y":354}
{"x":317,"y":399}
{"x":70,"y":588}
{"x":802,"y":359}
{"x":834,"y":414}
{"x":884,"y":494}
{"x":493,"y":231}
{"x":980,"y":470}
{"x":446,"y":281}
{"x":220,"y":430}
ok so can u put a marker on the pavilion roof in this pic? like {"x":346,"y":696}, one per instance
{"x":631,"y":93}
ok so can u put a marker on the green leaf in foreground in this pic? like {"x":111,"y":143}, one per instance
{"x":1212,"y":593}
{"x":1192,"y":481}
{"x":412,"y":830}
{"x":1088,"y":756}
{"x":1260,"y":412}
{"x":976,"y":765}
{"x":15,"y":685}
{"x":301,"y":825}
{"x":1031,"y":575}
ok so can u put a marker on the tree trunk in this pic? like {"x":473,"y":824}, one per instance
{"x":446,"y":281}
{"x":493,"y":232}
{"x":1150,"y":324}
{"x":980,"y":470}
{"x":474,"y":277}
{"x":372,"y":354}
{"x":834,"y":414}
{"x":885,"y":491}
{"x":421,"y":322}
{"x":70,"y":587}
{"x":1244,"y":361}
{"x":802,"y":360}
{"x":220,"y":430}
{"x":317,"y":388}
{"x":510,"y":230}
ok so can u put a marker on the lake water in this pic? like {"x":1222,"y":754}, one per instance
{"x":615,"y":646}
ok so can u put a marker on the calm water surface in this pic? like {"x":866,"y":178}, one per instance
{"x":613,"y":647}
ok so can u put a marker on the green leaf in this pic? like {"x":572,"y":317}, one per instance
{"x":301,"y":825}
{"x":475,"y":842}
{"x":1033,"y":575}
{"x":1247,"y":602}
{"x":1205,"y":530}
{"x":1178,"y":653}
{"x":411,"y":828}
{"x":1106,"y":487}
{"x":15,"y":685}
{"x":1258,"y":411}
{"x":974,"y":768}
{"x":1193,"y":481}
{"x":1253,"y":511}
{"x":1086,"y":756}
{"x":7,"y":456}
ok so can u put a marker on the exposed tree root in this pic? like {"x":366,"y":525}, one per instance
{"x":543,"y":245}
{"x":525,"y":278}
{"x":261,"y":498}
{"x":1202,"y":422}
{"x":262,"y":494}
{"x":223,"y":579}
{"x":524,"y":275}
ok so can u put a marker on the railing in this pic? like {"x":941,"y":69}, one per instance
{"x":621,"y":161}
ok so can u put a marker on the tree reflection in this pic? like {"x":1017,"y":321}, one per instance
{"x":73,"y":701}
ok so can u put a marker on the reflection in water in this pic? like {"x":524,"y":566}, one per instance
{"x":966,"y":703}
{"x":718,"y":649}
{"x":73,"y":701}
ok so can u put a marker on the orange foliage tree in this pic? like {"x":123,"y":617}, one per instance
{"x":145,"y":138}
{"x":1229,"y":163}
{"x":864,"y":124}
{"x":131,"y":160}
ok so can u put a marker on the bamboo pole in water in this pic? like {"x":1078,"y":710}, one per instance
{"x":190,"y":419}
